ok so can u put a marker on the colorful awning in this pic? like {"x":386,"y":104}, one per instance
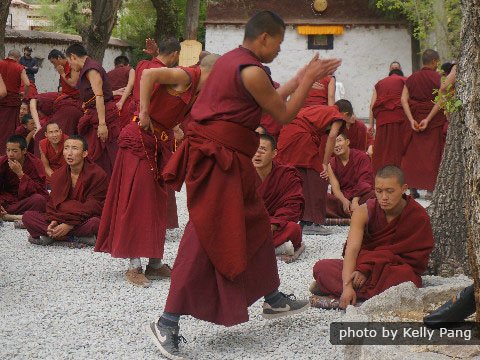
{"x":320,"y":29}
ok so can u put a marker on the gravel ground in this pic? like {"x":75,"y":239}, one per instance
{"x":61,"y":303}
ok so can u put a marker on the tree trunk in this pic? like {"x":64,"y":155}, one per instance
{"x":439,"y":33}
{"x":4,"y":10}
{"x":469,"y":92}
{"x":191,"y":19}
{"x":166,"y":24}
{"x":97,"y":35}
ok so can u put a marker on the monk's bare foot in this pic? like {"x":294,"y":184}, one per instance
{"x":18,"y":224}
{"x":9,"y":217}
{"x":291,"y":258}
{"x":136,"y":277}
{"x":314,"y":289}
{"x":164,"y":272}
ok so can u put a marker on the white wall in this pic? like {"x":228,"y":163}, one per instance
{"x":47,"y":78}
{"x":366,"y":54}
{"x":19,"y":17}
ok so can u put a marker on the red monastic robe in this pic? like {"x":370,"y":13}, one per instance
{"x":391,"y":253}
{"x":302,"y":144}
{"x":282,"y":194}
{"x":55,"y":158}
{"x":424,"y":150}
{"x":318,"y":95}
{"x":67,"y":107}
{"x":22,"y":130}
{"x":118,"y":78}
{"x":391,"y":122}
{"x":32,"y":91}
{"x":356,"y":179}
{"x":29,"y":192}
{"x":136,"y":187}
{"x":45,"y":110}
{"x":79,"y":206}
{"x":358,"y":135}
{"x":102,"y":153}
{"x":11,"y":72}
{"x":227,"y":241}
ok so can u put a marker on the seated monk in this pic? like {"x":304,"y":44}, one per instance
{"x":75,"y":203}
{"x":359,"y":136}
{"x":51,"y":149}
{"x":22,"y":180}
{"x":280,"y":187}
{"x":351,"y":177}
{"x":27,"y":129}
{"x":389,"y":243}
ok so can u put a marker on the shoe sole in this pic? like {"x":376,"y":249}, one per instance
{"x":146,"y":285}
{"x":150,"y":329}
{"x":286,"y":313}
{"x":149,"y":277}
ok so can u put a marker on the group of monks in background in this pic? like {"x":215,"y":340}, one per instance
{"x":103,"y":142}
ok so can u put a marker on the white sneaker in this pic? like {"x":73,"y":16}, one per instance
{"x":285,"y":249}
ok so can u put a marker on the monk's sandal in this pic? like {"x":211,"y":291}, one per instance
{"x":288,"y":305}
{"x":166,"y":339}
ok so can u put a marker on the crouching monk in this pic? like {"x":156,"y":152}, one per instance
{"x":280,"y":187}
{"x":75,"y":203}
{"x":383,"y":248}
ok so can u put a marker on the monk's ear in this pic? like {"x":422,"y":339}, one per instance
{"x":404,"y":187}
{"x":275,"y":153}
{"x":85,"y":154}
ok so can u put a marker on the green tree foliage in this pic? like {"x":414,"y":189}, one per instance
{"x":66,"y":16}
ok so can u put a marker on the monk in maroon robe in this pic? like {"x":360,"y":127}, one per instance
{"x":100,"y":125}
{"x":424,"y":149}
{"x":67,"y":106}
{"x":13,"y":75}
{"x":27,"y":129}
{"x":307,"y":143}
{"x":387,"y":111}
{"x":351,"y":178}
{"x":280,"y":187}
{"x":22,"y":180}
{"x":359,"y":136}
{"x":51,"y":149}
{"x":122,"y":79}
{"x":136,"y":182}
{"x":383,"y":248}
{"x":75,"y":203}
{"x":322,"y":92}
{"x":227,"y":242}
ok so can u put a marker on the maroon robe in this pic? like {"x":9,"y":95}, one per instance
{"x":45,"y":110}
{"x":79,"y":206}
{"x":391,"y":122}
{"x":22,"y":131}
{"x":302,"y":144}
{"x":55,"y":158}
{"x":227,"y":241}
{"x":29,"y":192}
{"x":118,"y":78}
{"x":358,"y":135}
{"x":391,"y":253}
{"x":142,"y":65}
{"x":102,"y":153}
{"x":424,"y":150}
{"x":356,"y":179}
{"x":11,"y":72}
{"x":318,"y":95}
{"x":282,"y":194}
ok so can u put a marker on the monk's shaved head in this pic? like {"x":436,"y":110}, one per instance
{"x":168,"y":46}
{"x":14,"y":54}
{"x":429,"y":56}
{"x":81,"y":139}
{"x":270,"y":139}
{"x":345,"y":106}
{"x":55,"y":54}
{"x":391,"y":171}
{"x":208,"y":61}
{"x":264,"y":21}
{"x":76,"y":49}
{"x":395,"y":72}
{"x":343,"y":135}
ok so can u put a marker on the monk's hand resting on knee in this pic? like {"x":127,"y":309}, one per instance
{"x":50,"y":228}
{"x":358,"y":280}
{"x":102,"y":132}
{"x":61,"y":230}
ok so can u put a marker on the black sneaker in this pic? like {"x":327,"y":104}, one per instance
{"x":288,"y":305}
{"x":166,"y":339}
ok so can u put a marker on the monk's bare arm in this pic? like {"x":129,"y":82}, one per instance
{"x":45,"y":163}
{"x":129,"y":87}
{"x":450,"y":79}
{"x":73,"y":79}
{"x":176,"y":77}
{"x":258,"y":85}
{"x":406,"y":107}
{"x":332,"y":136}
{"x":335,"y":185}
{"x":371,"y":120}
{"x":97,"y":86}
{"x":3,"y":88}
{"x":331,"y":91}
{"x":34,"y":113}
{"x":25,"y":82}
{"x":354,"y":243}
